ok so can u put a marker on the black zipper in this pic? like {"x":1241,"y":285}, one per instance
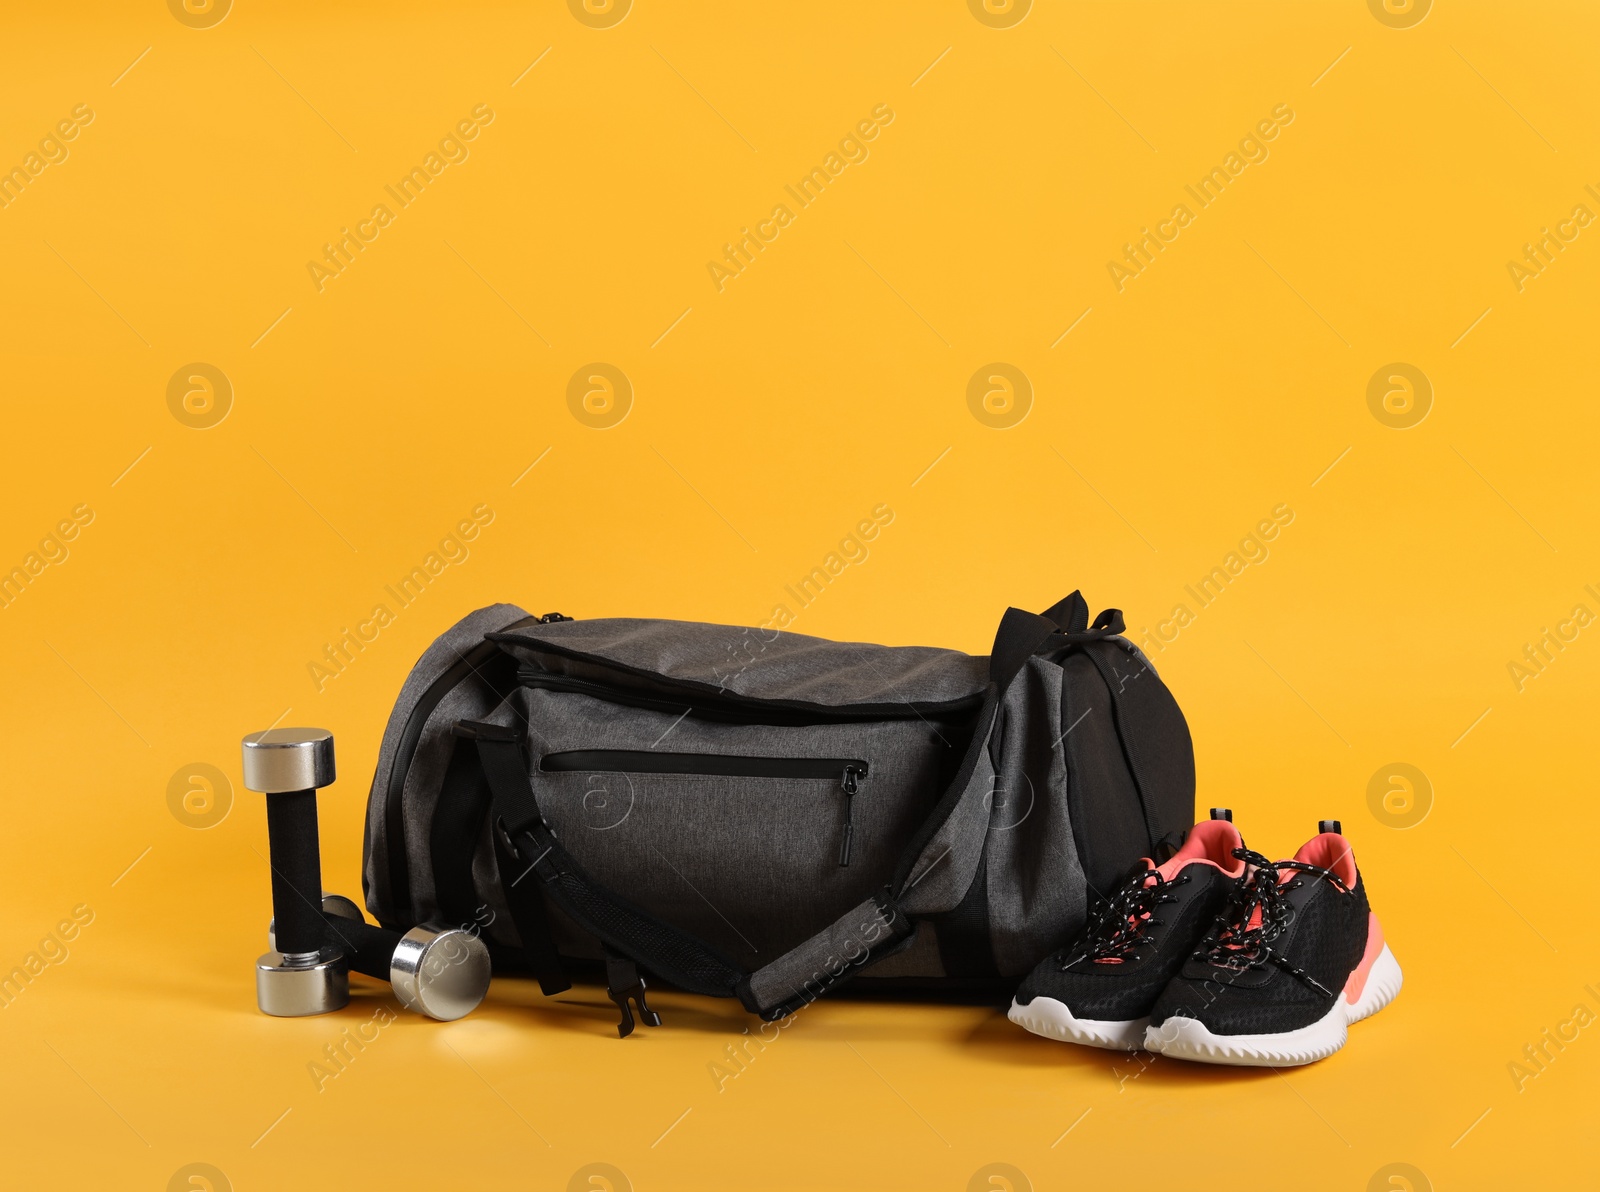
{"x":732,"y":709}
{"x":530,"y":676}
{"x":847,"y":772}
{"x":719,"y":701}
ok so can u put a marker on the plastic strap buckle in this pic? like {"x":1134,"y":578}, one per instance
{"x":623,"y":982}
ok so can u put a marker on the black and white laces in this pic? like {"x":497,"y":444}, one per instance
{"x":1257,"y":914}
{"x":1120,"y":925}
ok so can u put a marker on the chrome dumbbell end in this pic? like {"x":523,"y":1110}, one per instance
{"x":443,"y":973}
{"x":299,"y":984}
{"x":282,"y":760}
{"x":295,"y":990}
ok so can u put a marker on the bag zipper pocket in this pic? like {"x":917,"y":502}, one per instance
{"x":847,"y":772}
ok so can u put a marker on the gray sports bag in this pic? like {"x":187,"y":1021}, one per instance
{"x":759,"y":814}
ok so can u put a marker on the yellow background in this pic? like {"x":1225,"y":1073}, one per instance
{"x":767,"y":419}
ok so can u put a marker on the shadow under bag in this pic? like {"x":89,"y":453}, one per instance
{"x":763,"y":815}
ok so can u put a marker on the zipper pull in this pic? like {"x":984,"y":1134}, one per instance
{"x":850,"y":783}
{"x":552,"y":618}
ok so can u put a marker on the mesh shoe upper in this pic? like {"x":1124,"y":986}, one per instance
{"x":1141,"y":936}
{"x":1277,"y":958}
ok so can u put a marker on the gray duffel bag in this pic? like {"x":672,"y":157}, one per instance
{"x":759,"y":814}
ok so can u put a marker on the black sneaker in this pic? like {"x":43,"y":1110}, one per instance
{"x":1100,"y":988}
{"x":1293,"y":960}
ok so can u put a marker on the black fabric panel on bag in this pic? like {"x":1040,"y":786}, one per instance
{"x":531,"y":858}
{"x":1155,"y":738}
{"x":673,"y":955}
{"x":457,"y":826}
{"x":1108,"y":821}
{"x":963,"y":934}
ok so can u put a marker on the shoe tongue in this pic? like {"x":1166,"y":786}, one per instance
{"x":1230,"y":938}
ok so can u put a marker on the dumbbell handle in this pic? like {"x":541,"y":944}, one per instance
{"x":296,"y":872}
{"x":367,"y":949}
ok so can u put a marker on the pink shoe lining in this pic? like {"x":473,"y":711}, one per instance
{"x":1210,"y":842}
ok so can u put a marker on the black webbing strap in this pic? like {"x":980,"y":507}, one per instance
{"x":1070,"y":612}
{"x":531,"y":857}
{"x":458,"y":822}
{"x":527,"y":907}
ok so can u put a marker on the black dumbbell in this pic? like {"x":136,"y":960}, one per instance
{"x":441,"y":972}
{"x":305,"y":972}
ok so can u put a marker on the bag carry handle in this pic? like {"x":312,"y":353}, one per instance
{"x":1072,"y":615}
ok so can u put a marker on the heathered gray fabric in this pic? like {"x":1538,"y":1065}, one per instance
{"x":750,"y":865}
{"x":768,"y":664}
{"x":1035,"y":882}
{"x":946,"y":866}
{"x":444,"y":653}
{"x":472,"y":700}
{"x":832,"y":953}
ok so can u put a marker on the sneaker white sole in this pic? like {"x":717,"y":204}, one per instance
{"x":1188,"y":1039}
{"x":1052,"y":1019}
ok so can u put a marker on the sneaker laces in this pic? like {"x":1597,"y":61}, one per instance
{"x":1119,"y":924}
{"x":1258,"y":912}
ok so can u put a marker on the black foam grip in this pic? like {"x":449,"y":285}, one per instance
{"x":296,"y":871}
{"x":367,"y":949}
